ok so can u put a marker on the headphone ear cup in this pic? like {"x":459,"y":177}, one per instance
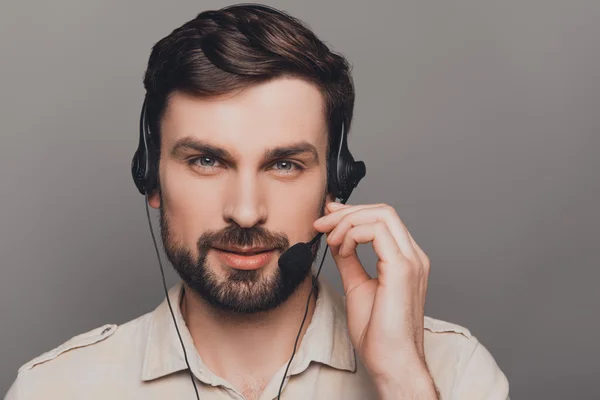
{"x":349,"y":172}
{"x":152,"y":173}
{"x":138,"y":171}
{"x":356,"y":171}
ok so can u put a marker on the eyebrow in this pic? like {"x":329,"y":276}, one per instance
{"x":201,"y":146}
{"x":293,"y":150}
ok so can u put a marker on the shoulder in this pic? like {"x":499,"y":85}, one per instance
{"x":460,"y":364}
{"x":109,"y":348}
{"x":438,"y":326}
{"x":445,"y":342}
{"x":86,"y":339}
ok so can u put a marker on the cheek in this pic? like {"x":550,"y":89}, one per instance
{"x":191,"y":208}
{"x":294,"y":208}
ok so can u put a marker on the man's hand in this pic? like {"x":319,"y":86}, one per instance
{"x":385,"y":314}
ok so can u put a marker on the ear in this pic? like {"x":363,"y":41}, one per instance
{"x":329,"y":198}
{"x":154,"y":199}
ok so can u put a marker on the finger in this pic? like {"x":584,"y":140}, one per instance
{"x":335,"y":205}
{"x":351,"y":269}
{"x":422,"y":256}
{"x":382,"y":213}
{"x":349,"y":221}
{"x":328,"y":222}
{"x":378,"y":234}
{"x":425,"y":262}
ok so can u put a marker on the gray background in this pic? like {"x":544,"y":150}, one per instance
{"x":478,"y":120}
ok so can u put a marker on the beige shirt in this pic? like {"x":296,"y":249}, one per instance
{"x":143,"y":359}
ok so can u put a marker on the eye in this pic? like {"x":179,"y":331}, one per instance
{"x":284,"y":165}
{"x":206,"y":161}
{"x":287,"y":167}
{"x":203,"y":161}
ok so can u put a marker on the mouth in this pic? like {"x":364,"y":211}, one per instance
{"x":249,"y":251}
{"x":244,"y":258}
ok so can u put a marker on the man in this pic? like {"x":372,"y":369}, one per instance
{"x":244,"y":107}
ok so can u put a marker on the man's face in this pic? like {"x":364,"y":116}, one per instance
{"x":242,"y":178}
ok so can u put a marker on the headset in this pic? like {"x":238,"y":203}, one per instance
{"x":345,"y":175}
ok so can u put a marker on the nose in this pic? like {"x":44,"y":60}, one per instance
{"x":245,"y":203}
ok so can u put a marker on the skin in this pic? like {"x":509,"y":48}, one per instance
{"x":285,"y":195}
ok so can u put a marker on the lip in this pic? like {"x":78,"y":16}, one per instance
{"x":248,"y":261}
{"x":243,"y":250}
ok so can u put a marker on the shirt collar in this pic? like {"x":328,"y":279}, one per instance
{"x":326,"y":339}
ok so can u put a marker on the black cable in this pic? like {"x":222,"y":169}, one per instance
{"x":302,"y":324}
{"x":162,"y":273}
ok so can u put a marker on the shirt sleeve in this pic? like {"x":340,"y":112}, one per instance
{"x":14,"y":391}
{"x":481,"y":377}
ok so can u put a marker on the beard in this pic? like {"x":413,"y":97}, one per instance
{"x":239,"y":291}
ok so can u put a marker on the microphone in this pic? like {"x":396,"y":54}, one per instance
{"x":299,"y":256}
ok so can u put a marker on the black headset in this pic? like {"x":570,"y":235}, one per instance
{"x":346,"y":172}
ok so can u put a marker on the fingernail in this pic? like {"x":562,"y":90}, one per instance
{"x":335,"y":205}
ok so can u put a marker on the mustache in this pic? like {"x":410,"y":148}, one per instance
{"x":234,"y":235}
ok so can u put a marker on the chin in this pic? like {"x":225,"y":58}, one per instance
{"x":245,"y":291}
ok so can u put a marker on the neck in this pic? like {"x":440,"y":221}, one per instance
{"x":257,"y":345}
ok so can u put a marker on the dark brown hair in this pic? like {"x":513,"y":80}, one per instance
{"x":228,"y":49}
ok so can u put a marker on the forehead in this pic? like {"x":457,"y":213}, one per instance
{"x":278,"y":112}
